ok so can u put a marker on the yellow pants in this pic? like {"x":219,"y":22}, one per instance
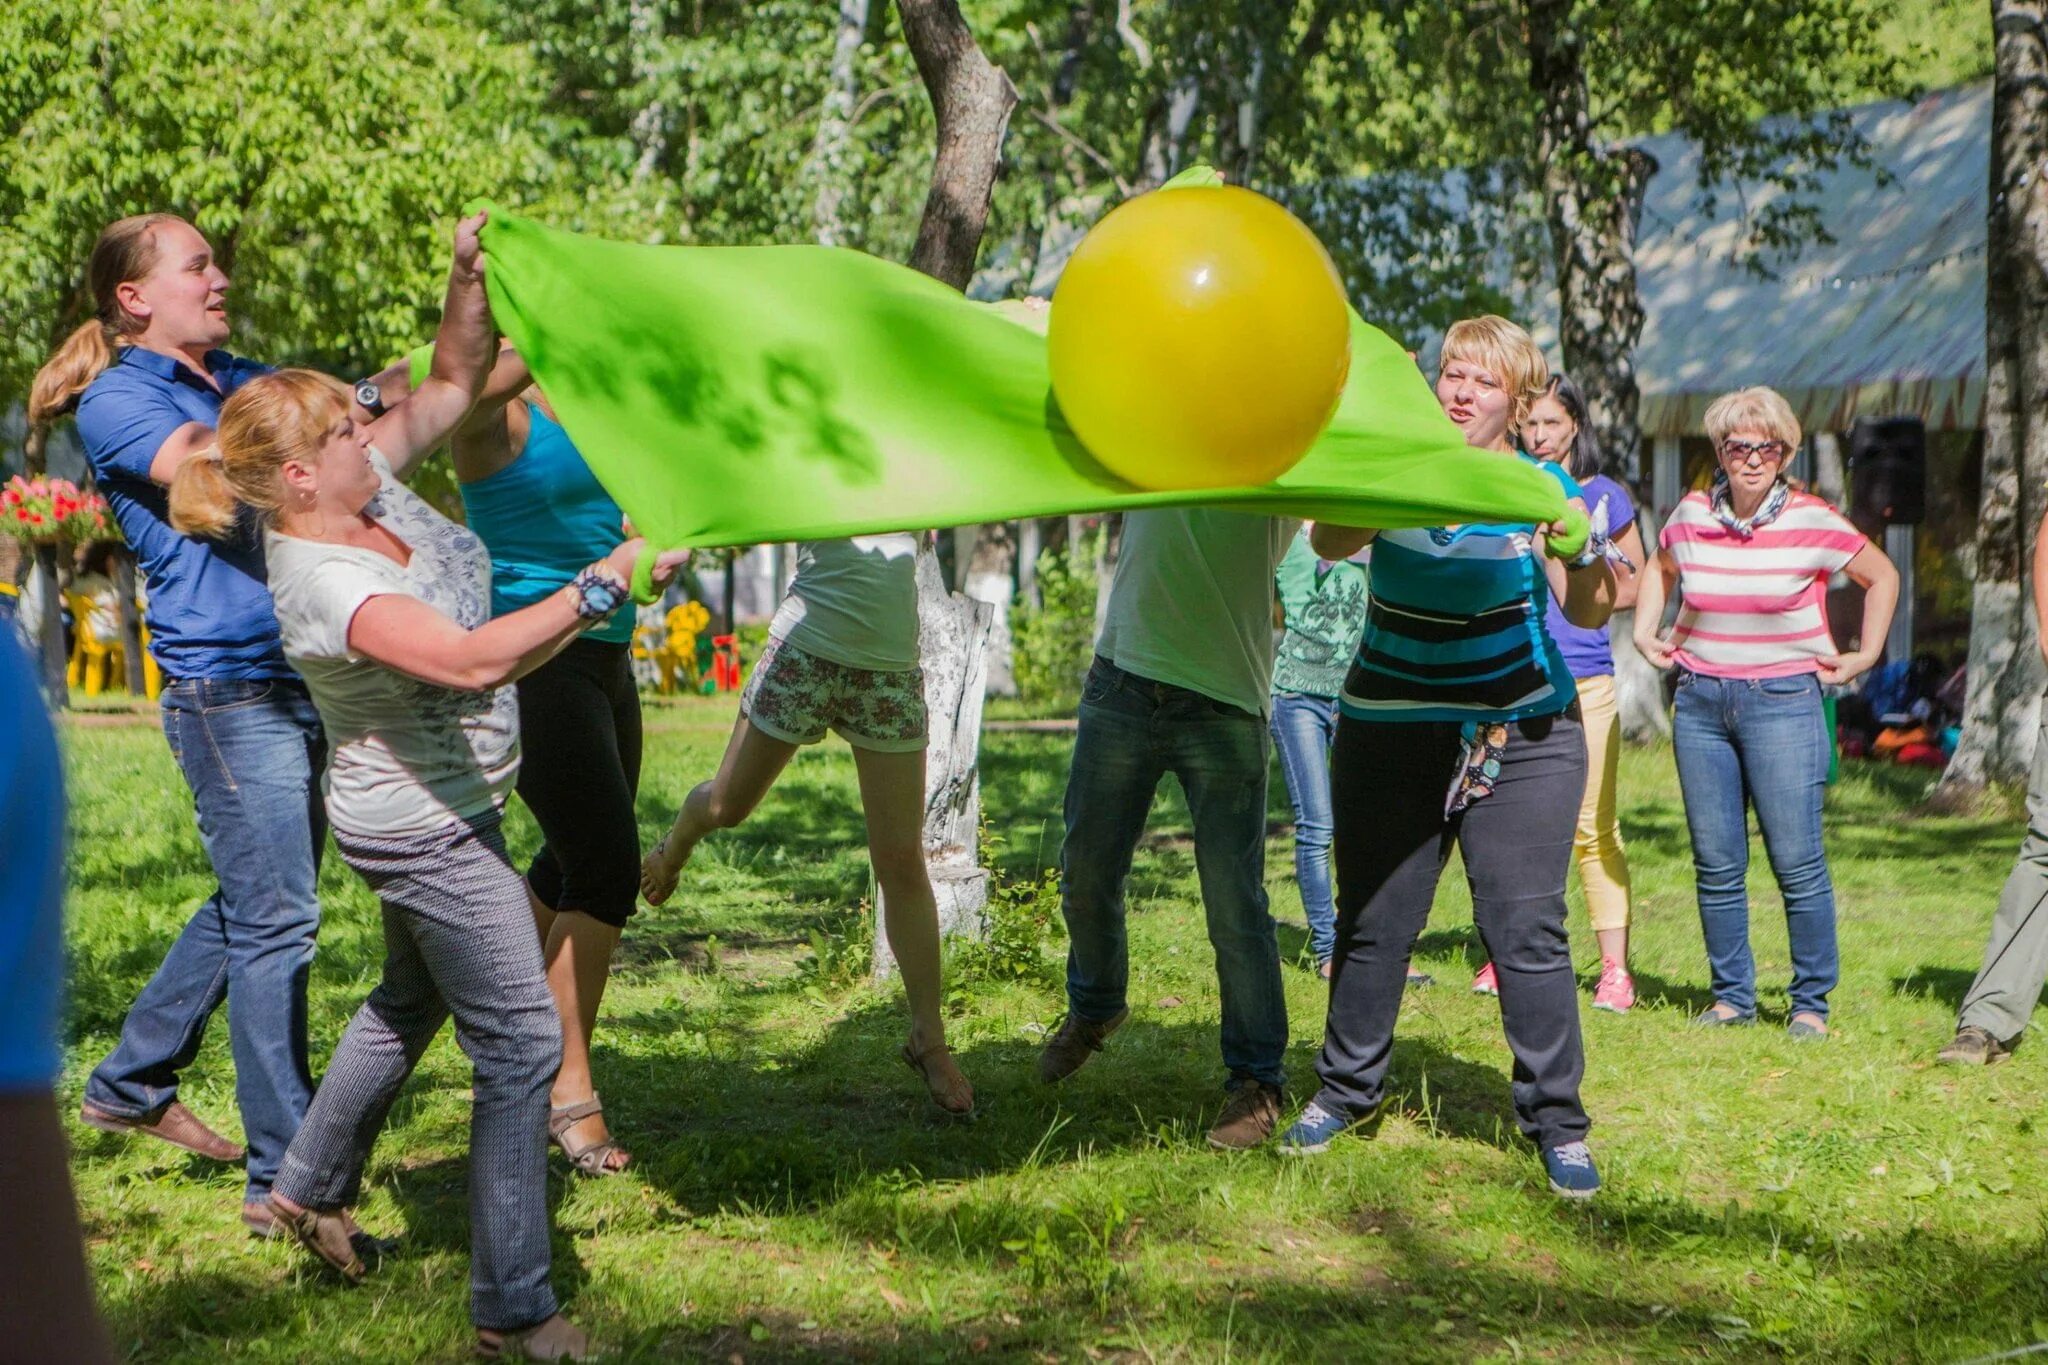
{"x":1603,"y":866}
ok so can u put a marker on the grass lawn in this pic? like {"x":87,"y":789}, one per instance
{"x":792,"y":1197}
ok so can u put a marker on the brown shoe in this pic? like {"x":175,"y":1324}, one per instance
{"x":173,"y":1123}
{"x":1073,"y":1041}
{"x":1973,"y":1046}
{"x":1248,"y":1118}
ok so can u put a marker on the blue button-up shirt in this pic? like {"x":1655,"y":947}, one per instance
{"x":209,"y":604}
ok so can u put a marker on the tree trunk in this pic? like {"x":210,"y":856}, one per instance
{"x":830,"y":153}
{"x":2005,"y":667}
{"x":989,"y":575}
{"x":1830,"y":481}
{"x":1594,"y":196}
{"x":1638,"y":686}
{"x":971,"y":103}
{"x":1030,"y":544}
{"x":48,"y":644}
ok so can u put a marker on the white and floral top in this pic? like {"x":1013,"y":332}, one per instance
{"x":406,"y":757}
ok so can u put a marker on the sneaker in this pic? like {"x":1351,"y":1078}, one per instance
{"x":1487,"y":982}
{"x":1312,"y":1132}
{"x":1571,"y":1171}
{"x":1248,"y":1118}
{"x":1711,"y":1017}
{"x":1973,"y":1046}
{"x":1806,"y":1028}
{"x":1072,"y":1043}
{"x":1616,"y":992}
{"x":1417,"y":980}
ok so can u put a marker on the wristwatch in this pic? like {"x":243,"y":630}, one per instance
{"x":370,"y":397}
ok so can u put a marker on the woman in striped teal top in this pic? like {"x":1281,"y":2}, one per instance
{"x":1459,"y":728}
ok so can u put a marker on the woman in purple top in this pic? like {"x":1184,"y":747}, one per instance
{"x":1556,"y":430}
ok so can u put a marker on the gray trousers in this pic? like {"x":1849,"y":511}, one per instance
{"x":458,"y":938}
{"x":2007,"y":988}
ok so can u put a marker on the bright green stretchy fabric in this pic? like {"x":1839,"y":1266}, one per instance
{"x":735,"y":395}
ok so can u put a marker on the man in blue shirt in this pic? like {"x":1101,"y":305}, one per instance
{"x":148,"y":381}
{"x":45,"y":1297}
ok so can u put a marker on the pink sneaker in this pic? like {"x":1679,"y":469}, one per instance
{"x":1616,"y":992}
{"x":1486,"y":983}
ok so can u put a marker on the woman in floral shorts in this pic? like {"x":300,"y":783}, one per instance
{"x":842,"y":655}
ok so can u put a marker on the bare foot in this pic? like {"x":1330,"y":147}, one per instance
{"x":662,"y":866}
{"x":949,"y":1089}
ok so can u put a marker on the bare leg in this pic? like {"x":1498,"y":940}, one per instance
{"x":892,"y":798}
{"x":753,"y":760}
{"x":1613,"y":945}
{"x":578,"y":953}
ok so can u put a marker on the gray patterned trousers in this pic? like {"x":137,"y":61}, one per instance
{"x":458,"y":938}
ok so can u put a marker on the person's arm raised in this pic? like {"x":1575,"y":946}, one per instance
{"x":464,"y":351}
{"x":405,"y":634}
{"x":1331,"y":541}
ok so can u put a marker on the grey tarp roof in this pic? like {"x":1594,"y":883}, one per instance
{"x":1887,"y":318}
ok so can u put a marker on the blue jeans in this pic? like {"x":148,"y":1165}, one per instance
{"x":1133,"y":732}
{"x":1761,"y":742}
{"x":1303,"y":728}
{"x":252,"y":752}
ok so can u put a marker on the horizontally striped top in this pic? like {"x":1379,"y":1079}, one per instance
{"x":1756,"y":607}
{"x":1455,"y":628}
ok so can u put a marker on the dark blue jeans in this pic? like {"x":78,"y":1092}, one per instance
{"x":1760,"y":742}
{"x":1133,"y":732}
{"x":1303,"y":729}
{"x":252,"y":752}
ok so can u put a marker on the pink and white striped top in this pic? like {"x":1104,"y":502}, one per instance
{"x":1756,"y":608}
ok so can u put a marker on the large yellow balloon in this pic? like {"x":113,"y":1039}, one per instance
{"x":1199,"y":339}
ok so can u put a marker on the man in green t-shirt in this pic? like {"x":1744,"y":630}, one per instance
{"x":1182,"y":683}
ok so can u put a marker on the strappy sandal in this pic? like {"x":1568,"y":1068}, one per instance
{"x":592,"y":1158}
{"x":920,"y":1062}
{"x":327,"y":1235}
{"x":556,"y":1339}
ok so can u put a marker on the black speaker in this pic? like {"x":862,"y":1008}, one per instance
{"x":1888,"y":471}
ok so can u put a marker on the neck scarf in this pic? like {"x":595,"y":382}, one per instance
{"x":1746,"y":528}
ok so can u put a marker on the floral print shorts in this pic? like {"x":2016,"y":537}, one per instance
{"x":796,"y":697}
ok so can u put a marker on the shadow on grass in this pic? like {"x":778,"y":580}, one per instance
{"x":1948,"y":985}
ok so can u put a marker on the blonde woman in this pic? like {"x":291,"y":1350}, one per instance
{"x":385,"y":609}
{"x":1459,"y":727}
{"x":1751,"y":645}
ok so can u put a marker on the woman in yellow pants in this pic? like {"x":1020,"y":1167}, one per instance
{"x":1555,"y":429}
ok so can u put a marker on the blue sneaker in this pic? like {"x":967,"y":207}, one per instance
{"x":1313,"y":1132}
{"x":1571,"y":1171}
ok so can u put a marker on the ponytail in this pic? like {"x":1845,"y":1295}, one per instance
{"x":73,"y":365}
{"x":202,"y":501}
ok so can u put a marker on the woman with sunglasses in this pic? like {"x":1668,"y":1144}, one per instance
{"x":1752,"y":649}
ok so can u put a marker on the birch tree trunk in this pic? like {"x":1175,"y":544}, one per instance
{"x":2005,"y":667}
{"x":48,"y":643}
{"x":832,"y":149}
{"x":989,"y":577}
{"x":1594,"y":196}
{"x":971,"y":102}
{"x":1638,"y":686}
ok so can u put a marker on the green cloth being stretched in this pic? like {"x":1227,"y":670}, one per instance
{"x":736,"y":395}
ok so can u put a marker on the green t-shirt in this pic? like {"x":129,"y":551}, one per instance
{"x":1323,"y":604}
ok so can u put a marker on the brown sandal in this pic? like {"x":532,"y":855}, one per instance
{"x":592,"y":1158}
{"x":327,"y":1235}
{"x":556,"y":1339}
{"x":920,"y":1062}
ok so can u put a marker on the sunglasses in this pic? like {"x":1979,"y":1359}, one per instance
{"x":1742,"y":452}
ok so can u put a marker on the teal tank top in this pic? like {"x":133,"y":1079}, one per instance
{"x":544,"y":518}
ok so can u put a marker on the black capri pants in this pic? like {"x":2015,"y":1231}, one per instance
{"x":579,"y":733}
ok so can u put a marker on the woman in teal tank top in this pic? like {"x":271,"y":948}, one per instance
{"x":538,"y":509}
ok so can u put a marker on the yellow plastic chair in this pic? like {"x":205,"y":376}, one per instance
{"x":647,"y":647}
{"x":94,"y":662}
{"x":152,"y":676}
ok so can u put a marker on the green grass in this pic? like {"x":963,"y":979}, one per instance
{"x":793,"y":1199}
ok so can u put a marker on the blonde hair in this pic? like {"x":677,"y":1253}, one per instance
{"x":266,"y":423}
{"x":125,"y":252}
{"x":1495,"y":344}
{"x":1753,"y":409}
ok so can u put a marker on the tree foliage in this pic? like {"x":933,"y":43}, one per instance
{"x":323,"y":146}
